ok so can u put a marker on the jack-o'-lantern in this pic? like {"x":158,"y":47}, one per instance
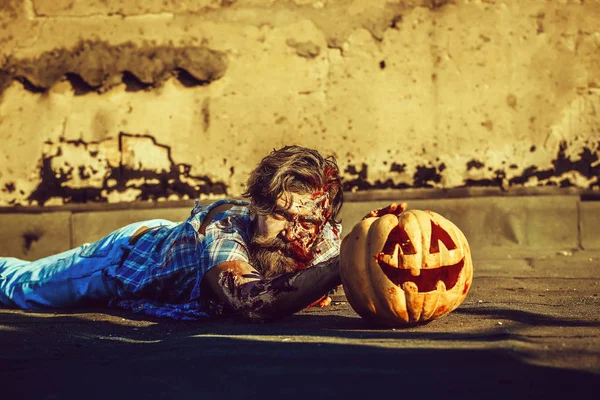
{"x":406,"y":269}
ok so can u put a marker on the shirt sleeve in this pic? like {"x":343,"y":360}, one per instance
{"x":223,"y":243}
{"x":329,"y":245}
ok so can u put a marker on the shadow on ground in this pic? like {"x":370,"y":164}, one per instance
{"x":121,"y":356}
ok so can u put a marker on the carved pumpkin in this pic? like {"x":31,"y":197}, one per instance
{"x":406,"y":269}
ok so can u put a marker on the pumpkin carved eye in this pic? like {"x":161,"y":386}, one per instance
{"x":440,"y":235}
{"x":422,"y":269}
{"x":398,"y":236}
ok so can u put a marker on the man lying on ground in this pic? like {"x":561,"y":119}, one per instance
{"x":262,"y":259}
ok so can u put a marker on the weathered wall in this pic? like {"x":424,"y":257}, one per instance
{"x":121,"y":100}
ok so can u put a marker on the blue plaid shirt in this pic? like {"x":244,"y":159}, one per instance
{"x":162,"y":274}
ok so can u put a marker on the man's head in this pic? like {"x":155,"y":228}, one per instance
{"x":294,"y":192}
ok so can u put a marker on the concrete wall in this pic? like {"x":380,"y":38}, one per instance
{"x":125,"y":100}
{"x":497,"y":227}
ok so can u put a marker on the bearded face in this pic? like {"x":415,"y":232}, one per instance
{"x":285,"y":240}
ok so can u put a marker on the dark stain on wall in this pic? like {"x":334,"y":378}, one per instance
{"x":97,"y":65}
{"x":362,"y":174}
{"x":435,"y":4}
{"x":476,"y":164}
{"x":132,"y":83}
{"x":174,"y":181}
{"x":9,"y":187}
{"x":586,"y":164}
{"x":395,"y":167}
{"x":358,"y":178}
{"x":424,"y":175}
{"x":29,"y":238}
{"x":52,"y":184}
{"x":497,"y":179}
{"x":177,"y":180}
{"x":206,"y":114}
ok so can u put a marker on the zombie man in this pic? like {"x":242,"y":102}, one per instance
{"x":263,"y":258}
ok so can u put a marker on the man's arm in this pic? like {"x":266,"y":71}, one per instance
{"x":256,"y":298}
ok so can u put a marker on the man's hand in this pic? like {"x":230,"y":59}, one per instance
{"x":324,"y":301}
{"x":393,"y":208}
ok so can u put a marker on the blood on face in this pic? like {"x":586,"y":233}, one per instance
{"x":301,"y":218}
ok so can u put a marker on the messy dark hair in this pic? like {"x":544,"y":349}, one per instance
{"x":294,"y":169}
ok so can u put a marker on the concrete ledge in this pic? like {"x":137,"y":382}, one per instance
{"x":490,"y":223}
{"x":497,"y":227}
{"x":88,"y":227}
{"x":589,"y":214}
{"x":33,"y":236}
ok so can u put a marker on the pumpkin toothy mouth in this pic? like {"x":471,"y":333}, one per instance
{"x":441,"y":278}
{"x":427,"y":280}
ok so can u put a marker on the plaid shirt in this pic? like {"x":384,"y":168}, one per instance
{"x":162,"y":274}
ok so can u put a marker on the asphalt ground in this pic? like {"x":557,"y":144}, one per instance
{"x":529,"y":328}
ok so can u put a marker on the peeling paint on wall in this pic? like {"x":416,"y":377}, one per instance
{"x":582,"y":171}
{"x":79,"y":172}
{"x":565,"y":171}
{"x":97,"y":65}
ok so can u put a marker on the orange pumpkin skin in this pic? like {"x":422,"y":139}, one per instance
{"x":407,"y":269}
